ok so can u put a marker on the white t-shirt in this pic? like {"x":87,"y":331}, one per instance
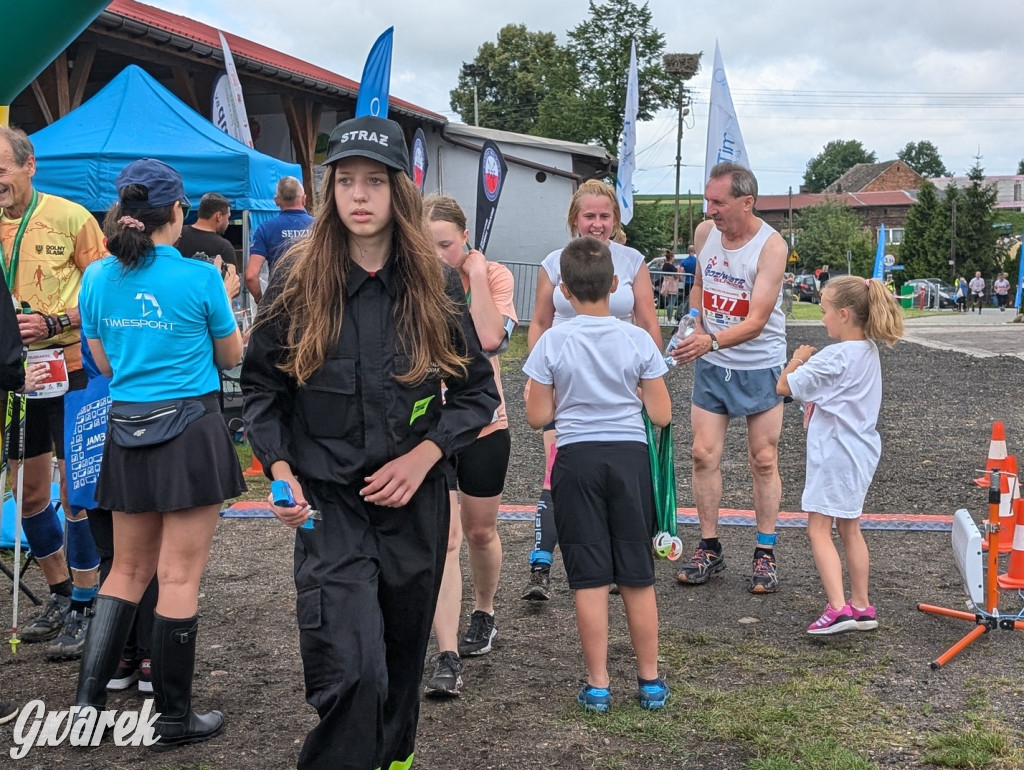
{"x":844,"y":383}
{"x":727,"y":277}
{"x":1001,"y":286}
{"x":595,"y":364}
{"x":977,"y":285}
{"x":627,"y":264}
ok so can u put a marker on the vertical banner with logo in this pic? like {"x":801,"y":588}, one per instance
{"x":725,"y":142}
{"x":419,"y":159}
{"x":490,"y":180}
{"x":878,"y":272}
{"x":1020,"y":278}
{"x":627,"y":145}
{"x":376,"y":81}
{"x":235,"y":117}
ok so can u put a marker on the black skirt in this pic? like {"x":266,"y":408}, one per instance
{"x":195,"y":469}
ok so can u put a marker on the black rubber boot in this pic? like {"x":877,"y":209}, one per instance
{"x":108,"y":630}
{"x":174,"y":657}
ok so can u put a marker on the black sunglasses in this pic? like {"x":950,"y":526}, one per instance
{"x":185,"y":208}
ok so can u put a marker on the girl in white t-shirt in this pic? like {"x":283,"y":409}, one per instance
{"x":841,"y":387}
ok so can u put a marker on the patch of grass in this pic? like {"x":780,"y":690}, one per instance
{"x":974,"y":747}
{"x":516,"y":346}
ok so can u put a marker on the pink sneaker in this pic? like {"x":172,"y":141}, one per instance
{"x":833,"y":621}
{"x":865,"y":618}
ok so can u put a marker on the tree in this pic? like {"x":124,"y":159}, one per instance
{"x":600,"y":51}
{"x":975,"y":215}
{"x":924,"y":158}
{"x":926,"y":233}
{"x":1020,"y":167}
{"x":517,"y":74}
{"x":826,"y":231}
{"x":835,"y":159}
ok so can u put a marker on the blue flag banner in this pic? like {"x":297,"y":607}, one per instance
{"x":879,"y":271}
{"x":627,"y":145}
{"x":376,"y":81}
{"x":1020,"y":274}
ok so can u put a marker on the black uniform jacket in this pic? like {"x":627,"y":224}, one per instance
{"x":352,"y":416}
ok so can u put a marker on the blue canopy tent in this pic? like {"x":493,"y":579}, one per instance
{"x":133,"y":116}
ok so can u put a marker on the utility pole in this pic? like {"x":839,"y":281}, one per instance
{"x":952,"y":242}
{"x":679,"y":158}
{"x":792,"y":241}
{"x":475,"y":71}
{"x":681,"y":67}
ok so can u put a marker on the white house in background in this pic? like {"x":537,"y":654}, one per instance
{"x":1009,"y":189}
{"x":542,"y":175}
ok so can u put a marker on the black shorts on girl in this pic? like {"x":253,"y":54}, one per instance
{"x":481,"y":467}
{"x":604,"y":513}
{"x":197,"y":468}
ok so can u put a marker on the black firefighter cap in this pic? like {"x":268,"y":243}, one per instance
{"x":370,"y":137}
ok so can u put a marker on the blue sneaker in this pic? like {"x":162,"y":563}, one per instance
{"x":597,"y":699}
{"x":653,"y":696}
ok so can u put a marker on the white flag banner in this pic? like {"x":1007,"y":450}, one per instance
{"x":235,"y":118}
{"x":627,"y":145}
{"x":725,"y":142}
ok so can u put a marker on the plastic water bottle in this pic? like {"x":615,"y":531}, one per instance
{"x":687,"y":325}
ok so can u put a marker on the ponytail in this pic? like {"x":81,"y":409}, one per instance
{"x":872,"y":305}
{"x":129,"y":229}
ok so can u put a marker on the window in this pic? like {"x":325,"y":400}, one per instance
{"x":893,"y":235}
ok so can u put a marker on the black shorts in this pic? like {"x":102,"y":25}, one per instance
{"x":44,"y":422}
{"x":479,"y":469}
{"x":197,"y":468}
{"x":604,"y":513}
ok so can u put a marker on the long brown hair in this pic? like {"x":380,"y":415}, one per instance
{"x":316,"y":270}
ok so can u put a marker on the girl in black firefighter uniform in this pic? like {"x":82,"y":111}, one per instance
{"x":343,"y":400}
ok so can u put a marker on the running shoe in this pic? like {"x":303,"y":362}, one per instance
{"x":447,"y":677}
{"x":49,"y":622}
{"x":538,"y":587}
{"x":702,"y":566}
{"x":833,"y":621}
{"x":126,"y":675}
{"x":71,"y":640}
{"x":145,"y":675}
{"x":866,"y":619}
{"x":765,"y":579}
{"x":481,"y":632}
{"x":653,"y":696}
{"x":8,"y":711}
{"x":597,"y":699}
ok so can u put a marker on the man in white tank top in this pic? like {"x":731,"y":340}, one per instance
{"x":738,"y":351}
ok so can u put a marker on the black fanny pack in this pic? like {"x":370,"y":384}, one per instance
{"x":155,"y":422}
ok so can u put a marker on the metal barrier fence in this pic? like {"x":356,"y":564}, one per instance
{"x":525,"y":277}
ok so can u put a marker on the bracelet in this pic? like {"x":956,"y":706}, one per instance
{"x":51,"y":325}
{"x":795,"y":358}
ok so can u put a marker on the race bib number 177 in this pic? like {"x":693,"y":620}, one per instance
{"x":728,"y":307}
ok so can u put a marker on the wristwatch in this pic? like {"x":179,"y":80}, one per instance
{"x":714,"y":342}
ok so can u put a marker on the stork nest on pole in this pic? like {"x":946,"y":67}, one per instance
{"x":682,"y":65}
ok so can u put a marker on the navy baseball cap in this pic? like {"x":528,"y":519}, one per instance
{"x":163,"y":184}
{"x":370,"y":137}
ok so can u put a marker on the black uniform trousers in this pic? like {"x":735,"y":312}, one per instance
{"x":367,"y":580}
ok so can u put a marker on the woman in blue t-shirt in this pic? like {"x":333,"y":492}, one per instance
{"x":160,"y":326}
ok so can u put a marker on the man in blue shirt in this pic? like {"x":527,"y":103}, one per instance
{"x":273,"y":238}
{"x":687,"y":266}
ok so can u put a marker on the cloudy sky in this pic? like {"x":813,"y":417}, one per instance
{"x":802,"y":73}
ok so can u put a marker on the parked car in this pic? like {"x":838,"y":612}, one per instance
{"x":931,"y":287}
{"x":806,"y":288}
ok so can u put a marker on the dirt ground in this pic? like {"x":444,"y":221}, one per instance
{"x":517,"y":709}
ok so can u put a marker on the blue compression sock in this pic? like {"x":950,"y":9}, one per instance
{"x":43,"y":532}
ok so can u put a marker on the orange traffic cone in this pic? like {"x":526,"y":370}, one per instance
{"x":1014,"y":576}
{"x":255,"y":468}
{"x":1009,"y":491}
{"x":996,"y":453}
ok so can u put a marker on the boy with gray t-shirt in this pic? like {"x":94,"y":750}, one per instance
{"x":585,"y":374}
